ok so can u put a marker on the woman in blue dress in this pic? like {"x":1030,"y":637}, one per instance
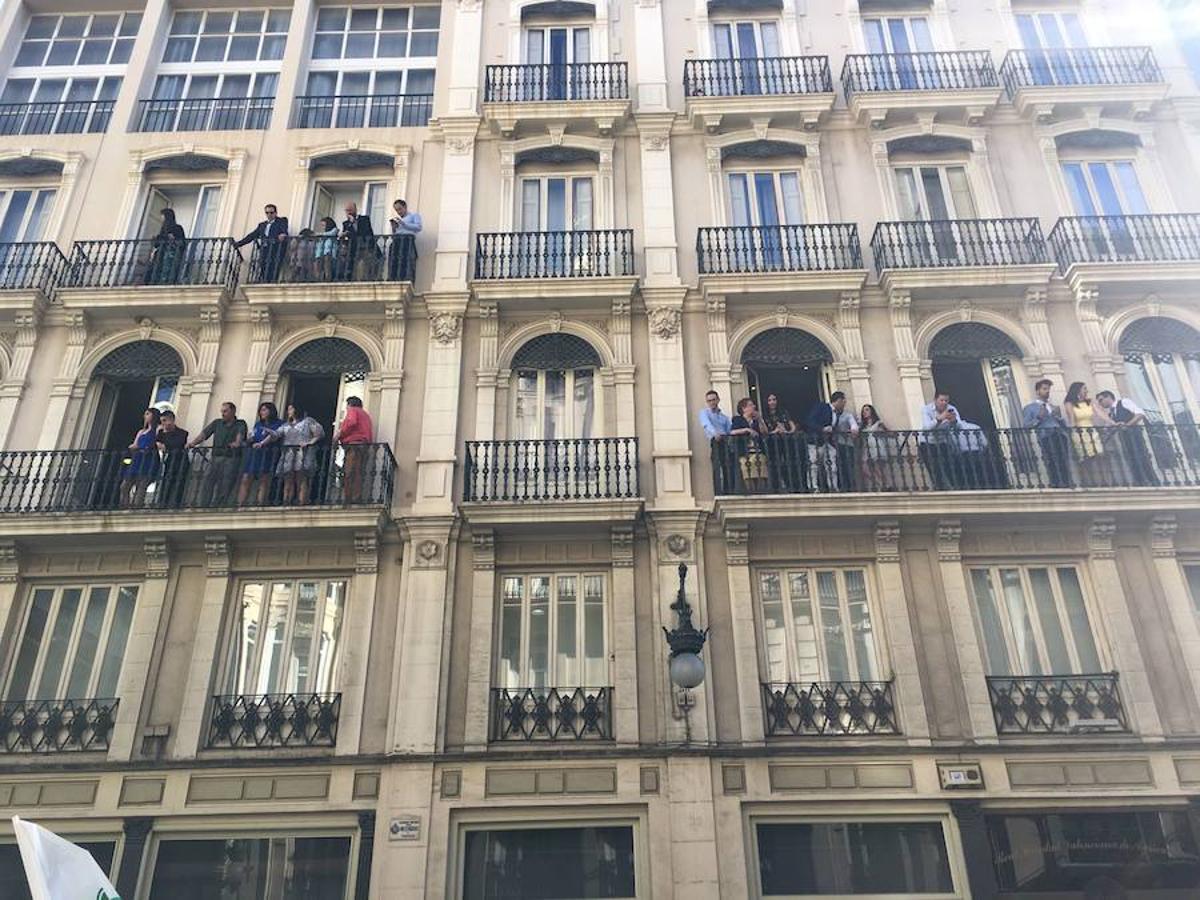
{"x":141,"y":463}
{"x":259,"y":465}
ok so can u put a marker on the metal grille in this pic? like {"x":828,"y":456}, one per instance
{"x":1159,"y":335}
{"x":785,"y":347}
{"x":973,"y":340}
{"x":327,"y":356}
{"x":141,"y":359}
{"x":556,"y":351}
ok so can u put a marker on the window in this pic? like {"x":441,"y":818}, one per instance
{"x":746,"y":40}
{"x":1105,"y":188}
{"x":271,"y":868}
{"x":817,"y":626}
{"x":15,"y":886}
{"x":72,"y":643}
{"x":1034,"y":620}
{"x":196,"y":208}
{"x":805,"y":859}
{"x":556,"y":203}
{"x":385,"y":98}
{"x":553,"y":404}
{"x":233,"y":102}
{"x":23,"y":213}
{"x":1192,"y":574}
{"x":558,"y":46}
{"x":286,"y":637}
{"x":1050,"y":30}
{"x":57,"y":105}
{"x":80,"y":40}
{"x":406,"y":32}
{"x":765,"y":198}
{"x":371,"y":198}
{"x":552,"y":631}
{"x":568,"y":863}
{"x":242,"y":35}
{"x":937,"y":193}
{"x":898,"y":34}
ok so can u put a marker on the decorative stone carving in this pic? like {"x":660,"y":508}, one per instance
{"x":737,"y":544}
{"x":622,"y":546}
{"x":459,"y":146}
{"x":429,"y":552}
{"x":887,"y":541}
{"x":1162,"y":536}
{"x":1102,"y":530}
{"x":949,"y":535}
{"x":655,"y":142}
{"x":483,"y":546}
{"x":678,"y":545}
{"x":157,"y":557}
{"x":216,"y":554}
{"x":366,"y":552}
{"x":445,"y":327}
{"x":9,"y":563}
{"x":664,"y":322}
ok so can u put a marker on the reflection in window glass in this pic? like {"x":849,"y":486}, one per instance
{"x":15,"y":886}
{"x":549,"y":864}
{"x":274,"y":868}
{"x":552,"y":631}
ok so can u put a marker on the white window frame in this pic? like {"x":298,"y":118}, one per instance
{"x":524,"y":678}
{"x":571,"y":27}
{"x":115,"y":588}
{"x":1029,"y":599}
{"x":76,"y":69}
{"x":224,"y":65}
{"x":372,"y":63}
{"x":756,"y":23}
{"x":381,"y":185}
{"x":1189,"y":387}
{"x":750,"y":172}
{"x":907,"y":17}
{"x":144,"y":227}
{"x":1110,"y":161}
{"x":572,"y":429}
{"x":6,"y":192}
{"x":943,"y":168}
{"x":571,"y":180}
{"x":1035,"y":14}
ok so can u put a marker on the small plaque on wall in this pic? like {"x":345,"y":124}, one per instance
{"x":405,"y":828}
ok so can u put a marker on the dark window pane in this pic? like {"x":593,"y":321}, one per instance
{"x":543,"y":863}
{"x":272,"y":46}
{"x":249,"y":20}
{"x":179,"y":49}
{"x":853,"y":858}
{"x":95,"y":51}
{"x":63,"y":53}
{"x":211,"y":49}
{"x":73,"y":26}
{"x":243,"y":47}
{"x":318,"y":868}
{"x":278,"y":19}
{"x":426,"y":16}
{"x":186,"y":23}
{"x":395,"y":19}
{"x":308,"y":868}
{"x":331,"y":18}
{"x":363,"y":19}
{"x":130,"y":24}
{"x":13,"y":884}
{"x":41,"y":27}
{"x":392,"y":44}
{"x":218,"y":23}
{"x":103,"y":26}
{"x":360,"y":46}
{"x":424,"y":43}
{"x":122,"y":51}
{"x":327,"y":46}
{"x":32,"y":53}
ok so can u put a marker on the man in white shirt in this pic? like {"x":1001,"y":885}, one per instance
{"x":938,"y":449}
{"x":1131,"y":419}
{"x":403,"y":254}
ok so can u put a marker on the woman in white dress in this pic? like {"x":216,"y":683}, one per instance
{"x":299,"y":434}
{"x":879,"y":450}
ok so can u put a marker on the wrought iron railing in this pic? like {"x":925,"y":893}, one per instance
{"x":63,"y":117}
{"x":757,"y":76}
{"x":1095,"y":66}
{"x":954,"y":243}
{"x":829,"y":708}
{"x":206,"y":114}
{"x":552,"y":714}
{"x":955,"y":70}
{"x":738,"y":249}
{"x":363,"y":111}
{"x":570,"y":81}
{"x":31,"y":267}
{"x":73,"y":481}
{"x":213,"y":262}
{"x":333,"y":259}
{"x":963,"y":459}
{"x":569,"y":469}
{"x":54,"y":726}
{"x":1148,"y":238}
{"x":554,"y":254}
{"x":274,"y":720}
{"x":1057,"y":704}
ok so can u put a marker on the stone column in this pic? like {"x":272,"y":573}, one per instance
{"x":209,"y":346}
{"x":55,"y":429}
{"x":671,"y":451}
{"x":487,"y":378}
{"x":254,"y":380}
{"x":624,"y":637}
{"x":719,"y":370}
{"x":907,"y":360}
{"x":1104,"y":366}
{"x":10,"y":575}
{"x":483,"y":616}
{"x":137,"y":832}
{"x":392,"y":376}
{"x":439,"y":431}
{"x":744,"y":633}
{"x":1136,"y":693}
{"x":356,"y":638}
{"x":143,"y":638}
{"x":27,"y":322}
{"x":977,"y":849}
{"x":621,"y":331}
{"x":962,"y":624}
{"x":694,"y":851}
{"x":139,"y":77}
{"x":857,"y":367}
{"x":206,"y":641}
{"x":1033,"y":315}
{"x":1179,"y":603}
{"x":902,"y":647}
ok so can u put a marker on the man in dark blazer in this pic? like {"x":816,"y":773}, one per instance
{"x":270,"y":237}
{"x":364,"y":250}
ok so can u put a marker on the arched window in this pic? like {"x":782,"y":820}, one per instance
{"x":1162,"y":369}
{"x":791,"y":363}
{"x":555,"y":389}
{"x":981,"y":367}
{"x":131,"y":378}
{"x":322,"y":373}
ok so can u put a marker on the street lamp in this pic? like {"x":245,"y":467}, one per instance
{"x":686,"y":642}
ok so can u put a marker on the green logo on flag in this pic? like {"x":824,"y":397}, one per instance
{"x":102,"y":895}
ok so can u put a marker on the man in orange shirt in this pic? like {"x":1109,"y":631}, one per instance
{"x":353,"y":435}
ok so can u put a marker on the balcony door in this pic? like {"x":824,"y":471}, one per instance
{"x":1044,"y":35}
{"x":556,"y":49}
{"x":554,"y":206}
{"x":745,"y":44}
{"x":371,"y":198}
{"x":759,"y":203}
{"x":935,"y":195}
{"x":981,"y":367}
{"x":23,"y":214}
{"x":1162,"y":376}
{"x":898,"y":37}
{"x":1110,"y":189}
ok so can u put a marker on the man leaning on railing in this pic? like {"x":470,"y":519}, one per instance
{"x":228,"y":435}
{"x":270,"y":236}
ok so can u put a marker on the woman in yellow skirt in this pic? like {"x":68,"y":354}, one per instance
{"x":1088,"y":422}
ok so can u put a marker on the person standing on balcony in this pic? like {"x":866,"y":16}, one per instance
{"x":878,"y":451}
{"x":939,"y":421}
{"x":270,"y":238}
{"x":228,"y":435}
{"x":1089,"y":422}
{"x":166,"y":252}
{"x":363,"y":255}
{"x":141,"y":461}
{"x":172,"y":441}
{"x":259,"y":465}
{"x":405,"y":228}
{"x":749,"y":426}
{"x":781,"y":450}
{"x":716,"y":427}
{"x":354,"y":435}
{"x":325,"y":251}
{"x":1131,"y":421}
{"x":299,"y":435}
{"x":1047,"y":420}
{"x":824,"y":424}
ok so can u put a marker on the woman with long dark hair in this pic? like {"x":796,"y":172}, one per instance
{"x":1087,"y":421}
{"x":141,"y":463}
{"x":299,"y":436}
{"x":259,"y":466}
{"x":879,"y":451}
{"x":166,"y":254}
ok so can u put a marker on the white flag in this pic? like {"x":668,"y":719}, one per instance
{"x":58,"y":869}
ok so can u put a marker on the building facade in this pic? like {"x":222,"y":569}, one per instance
{"x":959,"y":662}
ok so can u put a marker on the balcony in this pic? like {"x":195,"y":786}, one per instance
{"x":239,"y":721}
{"x":879,"y":83}
{"x":829,"y":708}
{"x":56,"y":726}
{"x":552,"y":714}
{"x":715,"y":88}
{"x":553,"y":264}
{"x":960,"y":459}
{"x":556,"y":94}
{"x":205,"y":114}
{"x":363,"y":111}
{"x":31,"y":267}
{"x":1037,"y":81}
{"x":310,"y":271}
{"x":1057,"y":704}
{"x":1127,"y":248}
{"x":66,"y":117}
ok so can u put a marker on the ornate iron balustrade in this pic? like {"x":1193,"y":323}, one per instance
{"x":64,"y":117}
{"x":1110,"y":66}
{"x":552,"y":714}
{"x":76,"y":481}
{"x":829,"y":708}
{"x":213,"y":262}
{"x":56,"y":726}
{"x":333,"y":260}
{"x":1148,"y":238}
{"x":975,"y":459}
{"x":274,"y":720}
{"x":739,"y":249}
{"x":206,"y":114}
{"x":957,"y":70}
{"x":363,"y":111}
{"x":31,"y":267}
{"x":569,"y":469}
{"x":554,"y":254}
{"x":535,"y":83}
{"x":1057,"y":704}
{"x":757,"y":76}
{"x":956,"y":243}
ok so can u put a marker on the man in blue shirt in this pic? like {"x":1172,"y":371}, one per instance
{"x":1047,"y":420}
{"x":714,"y":422}
{"x":716,"y":427}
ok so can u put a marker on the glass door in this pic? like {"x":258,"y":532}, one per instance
{"x":746,"y":45}
{"x":935,"y":196}
{"x":760,"y":204}
{"x":1109,"y":189}
{"x":1048,"y":38}
{"x":898,"y":37}
{"x":559,"y":209}
{"x":561,"y":53}
{"x":23,"y":215}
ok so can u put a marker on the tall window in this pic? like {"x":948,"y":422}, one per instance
{"x":935,"y":192}
{"x":552,"y":631}
{"x":557,"y":203}
{"x":1162,"y":370}
{"x":765,"y":198}
{"x":287,"y":637}
{"x":72,"y":642}
{"x":898,"y":34}
{"x":816,"y":625}
{"x":23,"y":213}
{"x":558,"y":46}
{"x":582,"y":861}
{"x":752,"y":39}
{"x":555,"y":388}
{"x":271,"y":867}
{"x":1105,"y":188}
{"x":1034,"y":620}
